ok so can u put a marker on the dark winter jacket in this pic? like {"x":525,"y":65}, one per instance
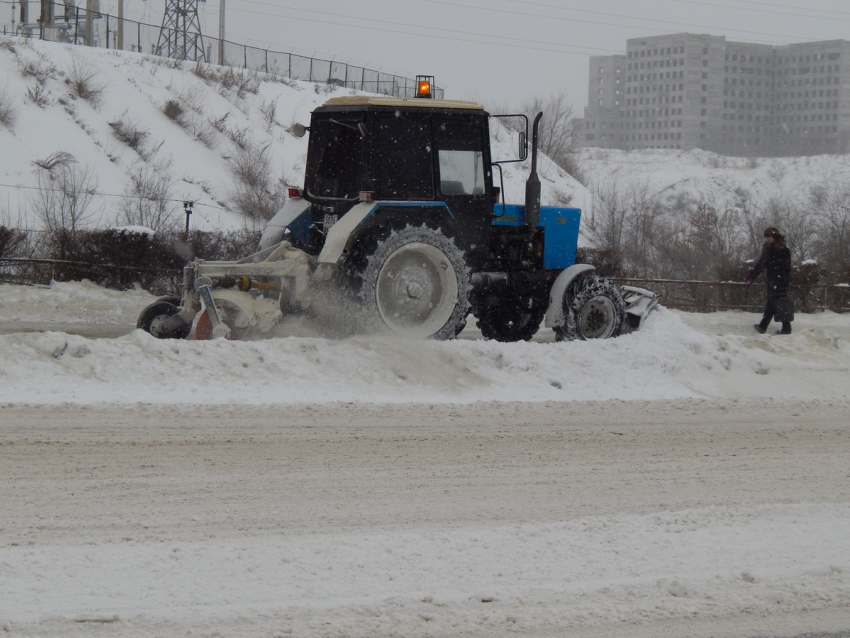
{"x":777,"y":260}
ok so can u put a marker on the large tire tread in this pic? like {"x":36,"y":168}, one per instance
{"x":598,"y":298}
{"x":365,"y":265}
{"x":509,"y":319}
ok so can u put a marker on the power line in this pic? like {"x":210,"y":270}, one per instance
{"x":102,"y":194}
{"x":616,"y":15}
{"x":611,"y":24}
{"x":781,"y":13}
{"x":407,"y":24}
{"x":786,"y":6}
{"x":466,"y":40}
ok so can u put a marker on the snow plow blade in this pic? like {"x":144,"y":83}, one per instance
{"x":639,"y":303}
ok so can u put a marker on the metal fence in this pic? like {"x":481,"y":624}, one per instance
{"x":60,"y":22}
{"x":694,"y":296}
{"x":713,"y":296}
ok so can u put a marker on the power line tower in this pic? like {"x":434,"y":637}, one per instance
{"x":180,"y":36}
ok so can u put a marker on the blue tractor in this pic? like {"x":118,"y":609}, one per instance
{"x":399,"y":227}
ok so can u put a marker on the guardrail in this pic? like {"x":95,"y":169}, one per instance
{"x":713,"y":296}
{"x":72,"y":25}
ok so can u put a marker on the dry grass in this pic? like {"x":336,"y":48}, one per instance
{"x":129,"y":132}
{"x":83,"y":80}
{"x":8,"y":109}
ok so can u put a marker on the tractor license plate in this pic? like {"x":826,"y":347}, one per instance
{"x":330,"y":220}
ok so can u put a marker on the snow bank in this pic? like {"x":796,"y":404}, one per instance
{"x":71,"y":302}
{"x":675,"y":355}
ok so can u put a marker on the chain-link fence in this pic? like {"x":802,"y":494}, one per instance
{"x":64,"y":22}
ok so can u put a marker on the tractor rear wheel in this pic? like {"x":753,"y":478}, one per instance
{"x":594,"y":309}
{"x":512,"y":317}
{"x":413,"y":281}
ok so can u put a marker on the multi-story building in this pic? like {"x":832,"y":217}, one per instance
{"x":687,"y":91}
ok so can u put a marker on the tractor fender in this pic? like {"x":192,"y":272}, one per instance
{"x":295,"y":215}
{"x":339,"y":234}
{"x":350,"y":226}
{"x":555,"y":313}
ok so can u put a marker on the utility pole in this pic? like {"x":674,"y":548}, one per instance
{"x":221,"y":33}
{"x":119,"y":33}
{"x":90,"y":10}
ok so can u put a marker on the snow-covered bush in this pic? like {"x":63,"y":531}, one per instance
{"x":173,"y":110}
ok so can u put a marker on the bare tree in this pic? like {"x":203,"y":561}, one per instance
{"x":639,"y":249}
{"x":258,"y":195}
{"x":148,"y":198}
{"x":64,"y":197}
{"x":831,"y":201}
{"x":555,"y":132}
{"x":608,"y":215}
{"x":799,"y":225}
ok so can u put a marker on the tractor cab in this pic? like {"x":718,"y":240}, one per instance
{"x":414,"y":158}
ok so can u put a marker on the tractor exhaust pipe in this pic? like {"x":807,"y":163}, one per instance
{"x":532,"y":186}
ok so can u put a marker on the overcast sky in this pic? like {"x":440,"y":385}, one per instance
{"x":498,"y":52}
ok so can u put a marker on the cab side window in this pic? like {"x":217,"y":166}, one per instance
{"x":461,"y":158}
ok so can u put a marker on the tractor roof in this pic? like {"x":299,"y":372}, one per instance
{"x":406,"y":102}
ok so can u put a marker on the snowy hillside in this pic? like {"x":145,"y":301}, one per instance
{"x":702,"y":176}
{"x":130,"y":128}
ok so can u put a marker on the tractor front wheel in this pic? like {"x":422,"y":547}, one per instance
{"x":594,"y":309}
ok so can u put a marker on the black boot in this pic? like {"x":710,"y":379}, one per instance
{"x":786,"y":328}
{"x":759,"y":328}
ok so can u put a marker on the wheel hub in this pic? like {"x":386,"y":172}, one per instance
{"x":597,"y":318}
{"x":417,"y":290}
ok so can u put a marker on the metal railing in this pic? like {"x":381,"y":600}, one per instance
{"x":713,"y":296}
{"x":73,"y":25}
{"x":691,"y":295}
{"x":28,"y":271}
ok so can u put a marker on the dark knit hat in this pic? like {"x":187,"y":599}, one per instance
{"x":772,"y":232}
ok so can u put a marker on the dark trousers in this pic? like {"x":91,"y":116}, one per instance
{"x":770,"y":309}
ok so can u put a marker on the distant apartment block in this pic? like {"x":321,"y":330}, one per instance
{"x":687,"y":91}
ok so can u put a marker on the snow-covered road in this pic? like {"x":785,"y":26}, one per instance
{"x":687,"y":480}
{"x":425,"y":520}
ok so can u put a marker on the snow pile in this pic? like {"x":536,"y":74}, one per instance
{"x":675,"y":355}
{"x":71,"y":302}
{"x":713,"y":561}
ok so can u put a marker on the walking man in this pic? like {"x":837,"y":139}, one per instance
{"x":776,"y":259}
